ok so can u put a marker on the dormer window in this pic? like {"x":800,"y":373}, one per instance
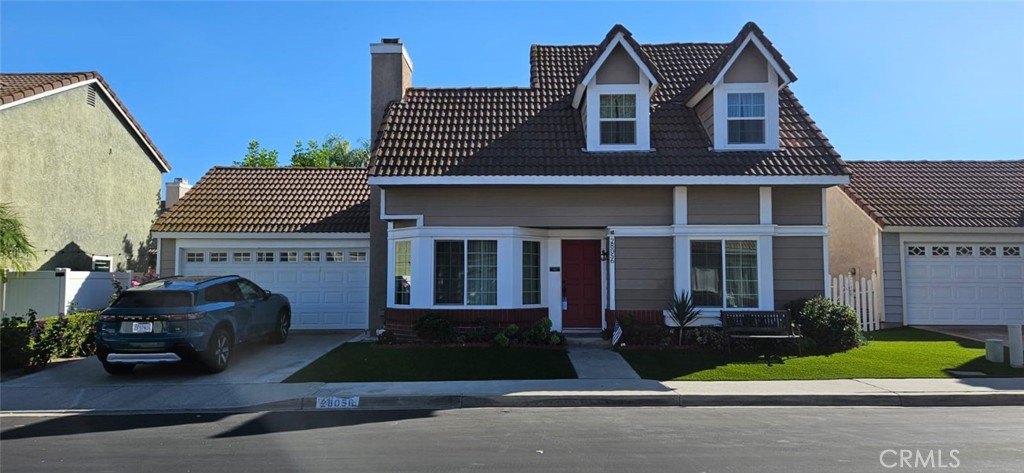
{"x":739,"y":104}
{"x":618,"y":119}
{"x":746,"y":118}
{"x":613,"y":95}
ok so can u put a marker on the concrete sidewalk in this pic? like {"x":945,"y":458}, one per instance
{"x":533,"y":393}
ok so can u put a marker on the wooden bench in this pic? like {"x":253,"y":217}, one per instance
{"x":759,"y":324}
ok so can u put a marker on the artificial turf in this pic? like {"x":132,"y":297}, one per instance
{"x":894,"y":353}
{"x":365,"y":362}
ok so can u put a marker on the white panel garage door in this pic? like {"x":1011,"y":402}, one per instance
{"x":964,"y":284}
{"x":328,"y":289}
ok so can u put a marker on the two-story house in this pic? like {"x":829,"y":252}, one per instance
{"x":80,"y":171}
{"x":623,"y":173}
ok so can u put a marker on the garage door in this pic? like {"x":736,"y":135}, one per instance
{"x":964,"y":284}
{"x":328,"y":289}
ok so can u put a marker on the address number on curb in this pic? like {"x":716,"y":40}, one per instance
{"x":337,"y":402}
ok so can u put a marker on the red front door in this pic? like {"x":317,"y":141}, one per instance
{"x":581,"y":283}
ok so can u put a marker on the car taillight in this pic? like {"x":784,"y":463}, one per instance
{"x":188,"y":316}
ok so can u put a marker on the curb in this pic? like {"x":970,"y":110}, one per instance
{"x":458,"y":401}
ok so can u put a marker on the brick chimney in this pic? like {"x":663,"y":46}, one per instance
{"x":176,"y":189}
{"x":390,"y":77}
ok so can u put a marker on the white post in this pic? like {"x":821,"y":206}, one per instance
{"x":1016,"y":347}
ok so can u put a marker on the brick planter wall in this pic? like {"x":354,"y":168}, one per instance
{"x":401,"y":321}
{"x":642,"y":317}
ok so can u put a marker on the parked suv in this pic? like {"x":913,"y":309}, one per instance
{"x":188,"y":317}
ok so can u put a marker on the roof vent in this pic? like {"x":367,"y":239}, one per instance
{"x":90,"y":96}
{"x":391,"y":40}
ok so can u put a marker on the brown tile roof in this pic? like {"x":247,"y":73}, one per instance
{"x":731,"y":48}
{"x":981,"y":194}
{"x":273,"y":200}
{"x":19,"y":86}
{"x":628,"y":37}
{"x":534,"y":131}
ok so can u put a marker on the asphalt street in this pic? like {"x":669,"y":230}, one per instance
{"x":811,"y":439}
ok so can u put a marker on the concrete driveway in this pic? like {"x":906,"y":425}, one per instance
{"x":83,"y":384}
{"x":971,"y":332}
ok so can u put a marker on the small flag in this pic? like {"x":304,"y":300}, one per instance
{"x":616,"y":334}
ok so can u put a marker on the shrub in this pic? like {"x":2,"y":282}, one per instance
{"x":830,"y":326}
{"x":710,"y":338}
{"x":31,"y":344}
{"x":434,"y":327}
{"x":501,"y":340}
{"x":796,"y":307}
{"x":512,"y":332}
{"x":14,"y":341}
{"x":540,"y":333}
{"x":556,"y":339}
{"x":634,"y":333}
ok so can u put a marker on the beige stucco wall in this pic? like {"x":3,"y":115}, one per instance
{"x":553,"y":207}
{"x":80,"y":179}
{"x":750,"y":66}
{"x":799,"y":268}
{"x":853,"y":236}
{"x":723,"y":205}
{"x":618,"y":68}
{"x":643,"y":273}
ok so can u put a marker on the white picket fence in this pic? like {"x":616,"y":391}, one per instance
{"x":863,"y":294}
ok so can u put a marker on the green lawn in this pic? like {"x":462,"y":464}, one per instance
{"x":893,"y":353}
{"x":363,"y":362}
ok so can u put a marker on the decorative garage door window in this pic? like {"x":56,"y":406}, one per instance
{"x":241,"y":257}
{"x":218,"y":257}
{"x":335,"y":256}
{"x":265,"y":257}
{"x":963,"y":251}
{"x":288,"y":256}
{"x":357,"y":256}
{"x":310,"y":256}
{"x":195,"y":257}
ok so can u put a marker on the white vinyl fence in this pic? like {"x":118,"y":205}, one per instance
{"x":55,"y":292}
{"x":863,"y":294}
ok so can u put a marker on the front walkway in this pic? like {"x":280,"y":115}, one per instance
{"x":971,"y":332}
{"x":593,"y":362}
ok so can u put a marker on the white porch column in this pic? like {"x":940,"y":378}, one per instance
{"x":554,"y":282}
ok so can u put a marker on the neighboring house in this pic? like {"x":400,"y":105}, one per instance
{"x":299,"y":231}
{"x":622,"y":174}
{"x":947,"y":235}
{"x":79,"y":170}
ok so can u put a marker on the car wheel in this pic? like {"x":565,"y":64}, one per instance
{"x":118,"y":369}
{"x":284,"y":323}
{"x":218,"y":352}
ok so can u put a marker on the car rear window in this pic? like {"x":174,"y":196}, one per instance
{"x":154,"y":299}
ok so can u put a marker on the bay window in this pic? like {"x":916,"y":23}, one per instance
{"x":531,"y":272}
{"x":403,"y":272}
{"x":466,"y":272}
{"x":723,"y":273}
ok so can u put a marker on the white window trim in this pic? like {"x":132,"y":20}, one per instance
{"x":725,"y":282}
{"x":392,"y":274}
{"x":771,"y":112}
{"x":643,"y":115}
{"x":465,"y":273}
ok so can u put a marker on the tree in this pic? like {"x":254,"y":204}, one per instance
{"x":15,"y":250}
{"x":335,"y":151}
{"x":258,"y":157}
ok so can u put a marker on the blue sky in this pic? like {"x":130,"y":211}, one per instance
{"x":883,"y":80}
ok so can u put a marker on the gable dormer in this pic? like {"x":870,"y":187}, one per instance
{"x":738,"y":101}
{"x":613,"y":94}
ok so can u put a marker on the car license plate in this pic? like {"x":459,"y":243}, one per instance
{"x":142,"y":327}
